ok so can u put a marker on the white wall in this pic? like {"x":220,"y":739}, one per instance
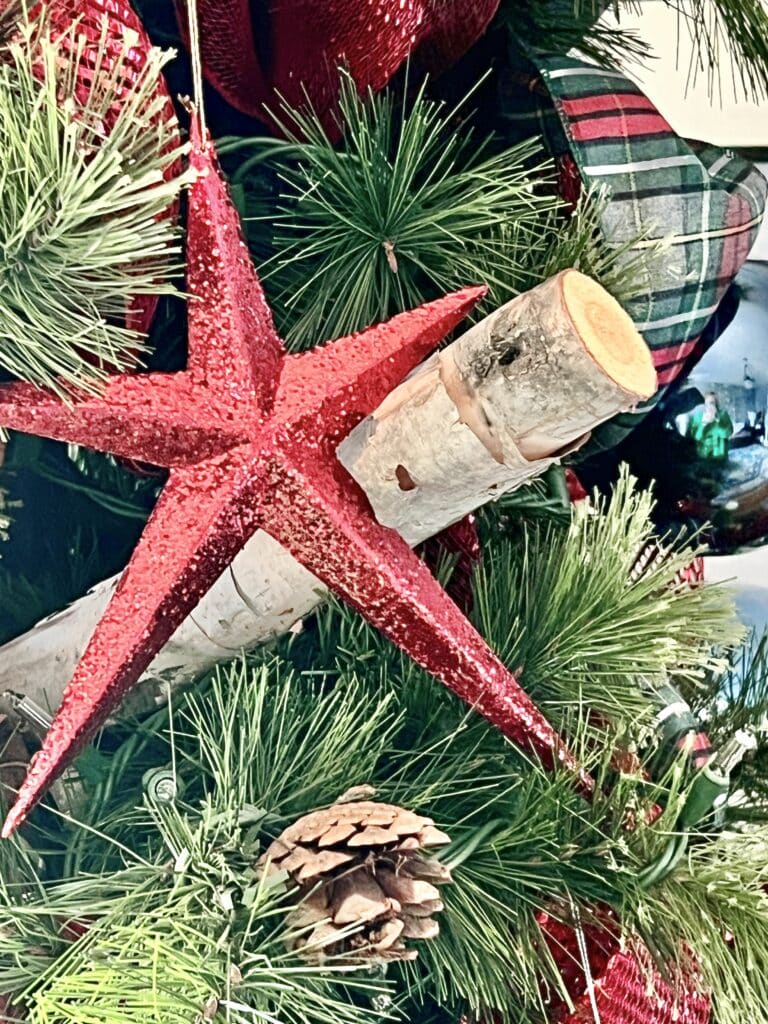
{"x":726,"y":118}
{"x":723,"y":118}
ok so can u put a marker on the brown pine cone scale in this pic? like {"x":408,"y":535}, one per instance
{"x":364,"y":881}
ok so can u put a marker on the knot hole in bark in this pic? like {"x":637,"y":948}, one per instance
{"x":510,"y":354}
{"x":404,"y":479}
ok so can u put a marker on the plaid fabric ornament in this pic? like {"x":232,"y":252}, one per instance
{"x":604,"y":132}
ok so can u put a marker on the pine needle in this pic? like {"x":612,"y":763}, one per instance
{"x":185,"y":926}
{"x":716,"y":905}
{"x":404,"y":211}
{"x":729,"y":34}
{"x":291,"y":745}
{"x":560,"y":607}
{"x":558,"y":26}
{"x":166,"y":928}
{"x":169,"y":890}
{"x":81,"y":229}
{"x":578,"y":242}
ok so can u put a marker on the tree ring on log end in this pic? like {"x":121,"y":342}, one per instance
{"x":608,"y":334}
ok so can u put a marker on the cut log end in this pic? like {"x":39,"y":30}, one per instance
{"x":608,"y":334}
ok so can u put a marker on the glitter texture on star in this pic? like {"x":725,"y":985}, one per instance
{"x":249,"y":434}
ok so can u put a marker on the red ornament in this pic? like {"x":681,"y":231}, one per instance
{"x":574,"y":486}
{"x":249,"y":434}
{"x":460,"y":542}
{"x":308,"y":40}
{"x":618,"y":985}
{"x":99,"y":46}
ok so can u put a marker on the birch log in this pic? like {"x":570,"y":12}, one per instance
{"x":497,"y":407}
{"x":518,"y":391}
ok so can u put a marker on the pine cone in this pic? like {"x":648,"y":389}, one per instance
{"x":361,"y":864}
{"x":652,"y":557}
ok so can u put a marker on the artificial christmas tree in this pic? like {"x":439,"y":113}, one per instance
{"x":197,"y":861}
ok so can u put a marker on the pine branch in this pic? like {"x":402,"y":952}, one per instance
{"x":732,"y":33}
{"x":577,"y":241}
{"x":621,"y":268}
{"x":62,"y":578}
{"x":163,"y":951}
{"x":292,"y":745}
{"x":248,"y":749}
{"x":463,"y":771}
{"x":559,"y":606}
{"x":405,"y":210}
{"x":558,"y":26}
{"x":265,"y":740}
{"x":719,"y":892}
{"x":179,"y":926}
{"x":81,"y":229}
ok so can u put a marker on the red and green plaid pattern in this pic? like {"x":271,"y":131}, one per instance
{"x":708,"y":200}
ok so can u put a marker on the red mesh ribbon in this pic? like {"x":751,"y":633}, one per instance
{"x":462,"y":542}
{"x":307,"y":41}
{"x":626,"y":989}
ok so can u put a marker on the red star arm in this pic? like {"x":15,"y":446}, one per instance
{"x":150,"y":417}
{"x":195,"y":531}
{"x":233,"y":346}
{"x":348,"y":378}
{"x":321,"y":516}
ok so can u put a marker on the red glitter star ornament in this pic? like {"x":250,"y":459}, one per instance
{"x":249,"y":434}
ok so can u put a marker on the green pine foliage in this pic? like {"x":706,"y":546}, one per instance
{"x":184,"y":932}
{"x":407,"y":208}
{"x":180,"y":924}
{"x":562,"y":607}
{"x":557,"y":26}
{"x":556,"y":598}
{"x":561,"y":242}
{"x":81,"y":225}
{"x":718,"y":890}
{"x":731,"y":33}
